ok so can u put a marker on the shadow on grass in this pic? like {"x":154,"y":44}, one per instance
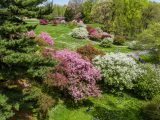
{"x":71,"y":104}
{"x":102,"y":113}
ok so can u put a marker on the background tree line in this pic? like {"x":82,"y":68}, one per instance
{"x":123,"y":17}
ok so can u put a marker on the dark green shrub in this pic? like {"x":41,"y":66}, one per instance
{"x":148,"y":84}
{"x":152,"y":110}
{"x":69,"y":14}
{"x":101,"y":113}
{"x":119,"y":40}
{"x":150,"y":39}
{"x":106,"y":42}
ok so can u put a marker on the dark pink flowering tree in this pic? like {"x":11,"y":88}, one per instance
{"x":75,"y":74}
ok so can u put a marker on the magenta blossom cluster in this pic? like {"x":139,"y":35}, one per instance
{"x":76,"y":75}
{"x":45,"y":37}
{"x":43,"y":22}
{"x":97,"y":34}
{"x":31,"y":34}
{"x":67,"y":54}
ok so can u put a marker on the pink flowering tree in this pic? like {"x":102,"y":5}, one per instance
{"x":75,"y":74}
{"x":44,"y":39}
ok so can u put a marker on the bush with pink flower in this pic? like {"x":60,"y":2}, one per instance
{"x":91,"y":30}
{"x":75,"y":75}
{"x":97,"y":33}
{"x":44,"y":39}
{"x":43,"y":22}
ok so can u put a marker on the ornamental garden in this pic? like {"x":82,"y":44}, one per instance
{"x":88,"y":60}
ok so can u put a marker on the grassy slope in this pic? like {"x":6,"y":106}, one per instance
{"x":115,"y":108}
{"x":107,"y":107}
{"x":62,"y":38}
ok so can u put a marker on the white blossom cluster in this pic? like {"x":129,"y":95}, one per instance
{"x":106,"y":42}
{"x":118,"y":70}
{"x":81,"y":24}
{"x":80,"y":33}
{"x":134,"y":45}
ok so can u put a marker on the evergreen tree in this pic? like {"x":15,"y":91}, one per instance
{"x":74,"y":10}
{"x":20,"y":56}
{"x":45,"y":11}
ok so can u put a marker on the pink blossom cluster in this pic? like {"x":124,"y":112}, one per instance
{"x":91,"y":30}
{"x":43,"y":22}
{"x":67,"y":55}
{"x":45,"y":37}
{"x":95,"y":33}
{"x":79,"y":75}
{"x":31,"y":34}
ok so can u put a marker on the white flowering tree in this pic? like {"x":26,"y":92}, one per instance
{"x":118,"y":70}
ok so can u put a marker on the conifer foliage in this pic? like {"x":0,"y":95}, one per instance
{"x":20,"y":56}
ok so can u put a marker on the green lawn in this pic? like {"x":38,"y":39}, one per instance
{"x":61,"y":36}
{"x":106,"y":107}
{"x":115,"y":48}
{"x":62,"y":39}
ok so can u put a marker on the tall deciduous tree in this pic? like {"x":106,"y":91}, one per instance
{"x":150,"y":39}
{"x":74,"y":10}
{"x":151,"y":14}
{"x":127,"y":21}
{"x":120,"y":16}
{"x":59,"y":10}
{"x":101,"y":11}
{"x":86,"y":9}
